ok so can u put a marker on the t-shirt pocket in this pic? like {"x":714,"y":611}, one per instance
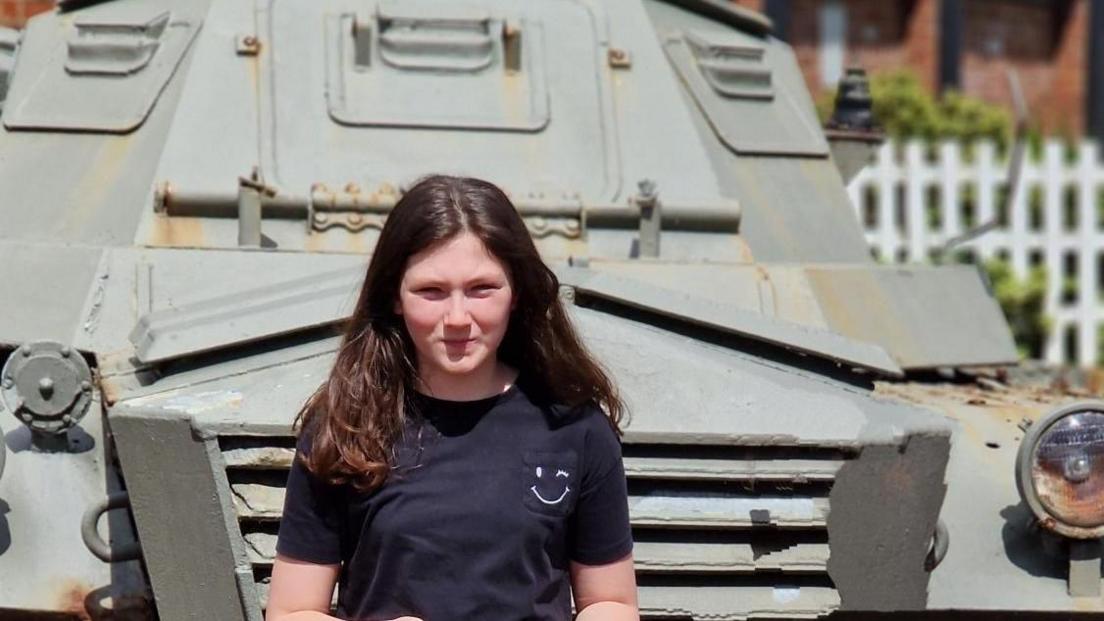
{"x":551,"y":481}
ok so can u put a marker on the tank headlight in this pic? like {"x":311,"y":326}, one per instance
{"x":1060,"y":470}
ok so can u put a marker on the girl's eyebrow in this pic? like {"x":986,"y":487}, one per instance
{"x":429,"y":280}
{"x":494,"y":278}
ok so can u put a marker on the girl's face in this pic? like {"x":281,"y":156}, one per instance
{"x":455,"y":298}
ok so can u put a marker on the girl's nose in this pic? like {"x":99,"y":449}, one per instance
{"x":457,"y":314}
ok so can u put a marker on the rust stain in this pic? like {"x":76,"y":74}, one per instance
{"x":315,"y":241}
{"x":107,"y":165}
{"x":1094,"y":381}
{"x":743,"y":251}
{"x":357,"y":242}
{"x":514,"y":96}
{"x":176,"y":232}
{"x":110,"y":391}
{"x":162,"y":196}
{"x":76,"y":600}
{"x":71,"y":599}
{"x":578,"y":247}
{"x":253,"y":68}
{"x":966,"y":402}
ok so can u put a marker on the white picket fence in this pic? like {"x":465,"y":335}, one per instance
{"x":911,"y":200}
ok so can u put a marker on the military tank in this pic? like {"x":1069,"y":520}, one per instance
{"x":192,"y":188}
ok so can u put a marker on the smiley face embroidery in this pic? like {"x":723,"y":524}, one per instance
{"x":560,"y":474}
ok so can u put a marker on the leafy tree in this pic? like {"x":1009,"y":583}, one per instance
{"x":1022,"y":303}
{"x":905,"y":109}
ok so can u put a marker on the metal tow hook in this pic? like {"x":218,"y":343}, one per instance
{"x":91,"y":535}
{"x":941,"y":540}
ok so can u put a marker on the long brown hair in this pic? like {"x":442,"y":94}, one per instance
{"x":356,"y":416}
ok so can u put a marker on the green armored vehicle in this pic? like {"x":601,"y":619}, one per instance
{"x":190,"y":190}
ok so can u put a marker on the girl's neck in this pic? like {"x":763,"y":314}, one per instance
{"x":493,"y":379}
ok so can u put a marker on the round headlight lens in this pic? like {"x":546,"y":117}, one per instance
{"x":1067,"y":469}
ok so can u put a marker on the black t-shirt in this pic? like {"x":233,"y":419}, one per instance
{"x":487,"y":502}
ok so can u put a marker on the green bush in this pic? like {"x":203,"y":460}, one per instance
{"x":1022,"y":303}
{"x":905,"y":109}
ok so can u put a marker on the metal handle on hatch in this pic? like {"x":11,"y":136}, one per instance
{"x":941,"y":540}
{"x":91,"y":535}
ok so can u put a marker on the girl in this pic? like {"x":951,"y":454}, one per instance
{"x":461,"y":461}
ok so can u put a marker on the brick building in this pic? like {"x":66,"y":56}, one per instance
{"x":13,"y":13}
{"x":961,"y":44}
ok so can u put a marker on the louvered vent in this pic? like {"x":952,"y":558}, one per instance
{"x":721,"y":532}
{"x":731,"y":532}
{"x":257,"y":468}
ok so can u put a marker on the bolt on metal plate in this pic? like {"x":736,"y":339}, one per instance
{"x":247,"y":45}
{"x":619,"y":58}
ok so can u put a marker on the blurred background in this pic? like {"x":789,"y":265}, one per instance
{"x":939,"y":82}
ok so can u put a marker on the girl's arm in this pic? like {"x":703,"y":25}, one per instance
{"x":605,"y":592}
{"x":300,"y":591}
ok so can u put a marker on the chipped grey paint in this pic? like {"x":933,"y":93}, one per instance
{"x":192,"y":551}
{"x":884,"y":507}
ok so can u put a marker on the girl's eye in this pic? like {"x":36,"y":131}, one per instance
{"x":485,"y":289}
{"x":430,"y":292}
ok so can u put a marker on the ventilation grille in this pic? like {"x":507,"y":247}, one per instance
{"x":731,"y":532}
{"x":720,"y":532}
{"x":257,"y":469}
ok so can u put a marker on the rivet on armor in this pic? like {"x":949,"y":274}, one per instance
{"x":46,"y":387}
{"x":619,"y":58}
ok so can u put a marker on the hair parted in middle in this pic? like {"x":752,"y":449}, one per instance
{"x":358,"y":413}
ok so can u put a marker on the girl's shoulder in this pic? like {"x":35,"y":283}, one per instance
{"x":305,"y":433}
{"x":583,"y":414}
{"x":587,"y":419}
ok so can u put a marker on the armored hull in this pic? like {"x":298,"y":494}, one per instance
{"x":191,"y":193}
